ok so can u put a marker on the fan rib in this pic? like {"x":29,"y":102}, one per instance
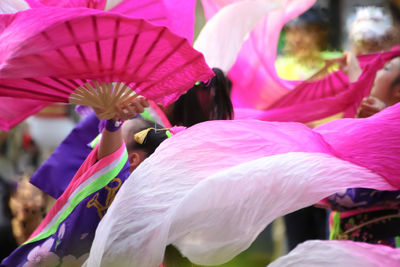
{"x":332,"y":91}
{"x":133,"y":44}
{"x":115,"y":44}
{"x":157,"y":19}
{"x":58,"y":50}
{"x":73,"y":82}
{"x":165,"y":58}
{"x":116,"y":89}
{"x":98,"y":50}
{"x":32,"y":80}
{"x":33,"y":94}
{"x":341,"y":80}
{"x":77,"y":45}
{"x":196,"y":58}
{"x":62,"y":83}
{"x":150,"y":49}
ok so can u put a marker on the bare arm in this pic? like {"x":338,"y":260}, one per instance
{"x":351,"y":66}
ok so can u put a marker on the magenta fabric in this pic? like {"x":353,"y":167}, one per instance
{"x":340,"y":253}
{"x":14,"y":110}
{"x":177,"y":16}
{"x":96,"y":4}
{"x":256,"y":85}
{"x":371,"y":142}
{"x":180,"y":21}
{"x":254,"y":69}
{"x":212,"y":188}
{"x":47,"y":59}
{"x":336,"y":82}
{"x":323,"y":98}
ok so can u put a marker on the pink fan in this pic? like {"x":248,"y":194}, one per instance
{"x":10,"y":106}
{"x":176,"y":16}
{"x":181,"y":22}
{"x":76,"y":55}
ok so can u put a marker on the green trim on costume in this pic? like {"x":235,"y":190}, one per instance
{"x":94,"y":186}
{"x":335,"y":229}
{"x":397,"y":241}
{"x":146,"y":115}
{"x":95,"y":141}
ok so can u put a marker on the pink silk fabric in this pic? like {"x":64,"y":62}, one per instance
{"x":254,"y":70}
{"x":212,"y":188}
{"x":259,"y":93}
{"x":317,"y":100}
{"x":340,"y":253}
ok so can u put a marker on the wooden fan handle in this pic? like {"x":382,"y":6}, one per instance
{"x":103,"y":97}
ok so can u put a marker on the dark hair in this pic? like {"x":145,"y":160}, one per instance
{"x":394,"y":11}
{"x":316,"y":15}
{"x":153,"y":138}
{"x":204,"y":101}
{"x":6,"y":190}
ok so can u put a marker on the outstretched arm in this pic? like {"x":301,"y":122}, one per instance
{"x":351,"y":66}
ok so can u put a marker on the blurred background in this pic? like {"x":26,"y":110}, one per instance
{"x":23,"y":148}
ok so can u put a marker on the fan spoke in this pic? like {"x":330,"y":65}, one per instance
{"x":59,"y":51}
{"x":115,"y":44}
{"x":157,"y":19}
{"x":77,"y":45}
{"x":149,"y":50}
{"x":57,"y":89}
{"x":133,"y":44}
{"x":32,"y":94}
{"x":98,"y":50}
{"x":62,"y":83}
{"x":177,"y":69}
{"x":164,"y":59}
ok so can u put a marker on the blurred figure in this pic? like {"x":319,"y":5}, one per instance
{"x":306,"y":46}
{"x":362,"y":214}
{"x":371,"y":29}
{"x":203,"y":102}
{"x":305,"y":51}
{"x":28,"y":208}
{"x":7,"y":240}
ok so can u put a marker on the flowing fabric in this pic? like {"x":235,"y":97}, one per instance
{"x":254,"y":70}
{"x":9,"y":7}
{"x":211,"y":189}
{"x":222,"y":37}
{"x":14,"y":110}
{"x":323,"y":98}
{"x":66,"y":233}
{"x":259,"y":93}
{"x":181,"y":22}
{"x":339,"y":253}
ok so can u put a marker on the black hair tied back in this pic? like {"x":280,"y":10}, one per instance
{"x":148,"y":140}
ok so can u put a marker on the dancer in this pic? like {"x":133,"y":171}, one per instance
{"x":211,"y":189}
{"x":66,"y":233}
{"x":362,"y":214}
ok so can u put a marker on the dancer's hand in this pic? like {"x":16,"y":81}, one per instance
{"x":369,"y":106}
{"x":130,"y":108}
